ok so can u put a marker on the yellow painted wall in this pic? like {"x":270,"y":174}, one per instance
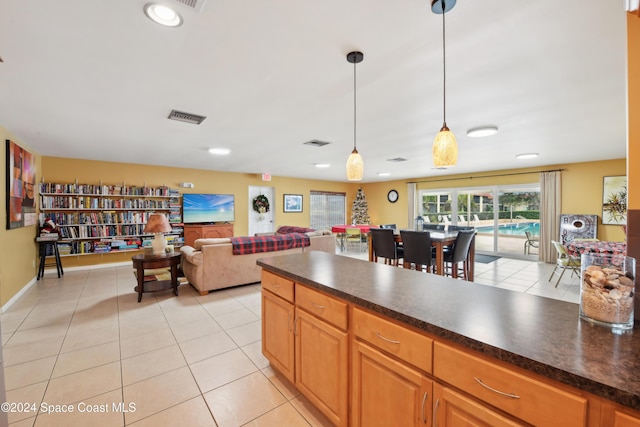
{"x":65,"y":170}
{"x":18,"y":250}
{"x":581,"y":191}
{"x":633,"y":105}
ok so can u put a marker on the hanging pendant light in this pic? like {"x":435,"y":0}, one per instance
{"x":445,"y":146}
{"x":355,"y":165}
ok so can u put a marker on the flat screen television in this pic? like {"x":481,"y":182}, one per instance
{"x":207,"y":208}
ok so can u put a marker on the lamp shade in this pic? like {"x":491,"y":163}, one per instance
{"x":355,"y":166}
{"x":157,"y":223}
{"x":445,"y":149}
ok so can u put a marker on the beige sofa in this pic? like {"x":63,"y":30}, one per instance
{"x":211,"y":264}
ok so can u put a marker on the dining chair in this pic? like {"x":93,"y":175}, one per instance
{"x":564,"y":262}
{"x":354,"y":235}
{"x":531,"y":242}
{"x":459,"y":253}
{"x":384,"y":246}
{"x":417,"y":250}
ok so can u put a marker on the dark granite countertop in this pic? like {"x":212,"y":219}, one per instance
{"x":539,"y":334}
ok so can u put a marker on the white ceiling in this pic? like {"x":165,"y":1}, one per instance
{"x":96,"y":79}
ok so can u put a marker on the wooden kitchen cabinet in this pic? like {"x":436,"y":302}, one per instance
{"x":197,"y":231}
{"x":523,"y":396}
{"x":278,"y":342}
{"x":454,"y":409}
{"x":389,"y":364}
{"x":386,"y":392}
{"x":321,"y":356}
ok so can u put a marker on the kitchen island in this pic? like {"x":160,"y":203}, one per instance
{"x":524,"y":342}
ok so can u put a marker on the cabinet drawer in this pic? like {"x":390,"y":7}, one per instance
{"x":278,"y":285}
{"x":524,"y":397}
{"x":403,"y":343}
{"x":327,"y":308}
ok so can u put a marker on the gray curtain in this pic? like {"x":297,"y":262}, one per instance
{"x":412,"y":194}
{"x":550,"y":209}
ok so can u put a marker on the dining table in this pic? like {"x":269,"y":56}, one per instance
{"x":439,"y":239}
{"x":575,"y":248}
{"x":341,"y":230}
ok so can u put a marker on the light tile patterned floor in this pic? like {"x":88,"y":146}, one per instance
{"x":190,"y":360}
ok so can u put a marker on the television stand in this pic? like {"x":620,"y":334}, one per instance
{"x":206,"y":231}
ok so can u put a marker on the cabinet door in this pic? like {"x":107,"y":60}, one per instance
{"x":277,"y":334}
{"x":453,"y":409}
{"x":214,"y":232}
{"x":191,"y":234}
{"x":322,"y":366}
{"x":623,"y":420}
{"x":386,"y":392}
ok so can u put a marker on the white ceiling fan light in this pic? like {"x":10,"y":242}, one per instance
{"x":163,"y":15}
{"x":219,"y":151}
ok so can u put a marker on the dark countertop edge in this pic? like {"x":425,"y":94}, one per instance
{"x":577,"y":381}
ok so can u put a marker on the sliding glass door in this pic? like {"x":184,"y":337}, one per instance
{"x":505,"y":217}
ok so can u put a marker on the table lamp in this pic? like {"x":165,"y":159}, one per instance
{"x":158,"y":224}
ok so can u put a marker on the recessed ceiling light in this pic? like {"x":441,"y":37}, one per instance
{"x":163,"y":15}
{"x":482,"y":131}
{"x":322,"y":165}
{"x":383,"y":174}
{"x":526,"y":156}
{"x":219,"y":151}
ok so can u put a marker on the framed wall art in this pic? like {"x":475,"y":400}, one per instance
{"x":21,"y":187}
{"x":292,"y":203}
{"x":614,"y":200}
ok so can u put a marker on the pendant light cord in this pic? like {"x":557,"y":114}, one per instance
{"x":354,"y":105}
{"x":444,"y":69}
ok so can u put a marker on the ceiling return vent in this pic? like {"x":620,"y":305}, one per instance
{"x":196,"y":5}
{"x":186,"y":117}
{"x":316,"y":143}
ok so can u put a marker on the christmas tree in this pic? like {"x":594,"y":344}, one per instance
{"x":359,"y":209}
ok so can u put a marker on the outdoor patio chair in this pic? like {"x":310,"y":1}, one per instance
{"x":564,"y":262}
{"x":531,"y":242}
{"x":354,"y":236}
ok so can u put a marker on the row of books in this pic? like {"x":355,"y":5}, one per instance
{"x":88,"y":202}
{"x":93,"y":231}
{"x":108,"y":217}
{"x":110,"y":190}
{"x":100,"y":246}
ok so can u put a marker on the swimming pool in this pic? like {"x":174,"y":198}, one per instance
{"x":514,"y":229}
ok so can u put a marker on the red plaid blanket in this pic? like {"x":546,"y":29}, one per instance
{"x":278,"y":242}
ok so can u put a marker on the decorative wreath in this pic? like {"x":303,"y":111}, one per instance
{"x":261,"y":204}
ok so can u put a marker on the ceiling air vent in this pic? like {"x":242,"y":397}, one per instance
{"x":186,"y":117}
{"x":193,"y":4}
{"x":317,"y":143}
{"x":397,"y":159}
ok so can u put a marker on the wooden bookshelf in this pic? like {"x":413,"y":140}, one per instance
{"x":97,"y":219}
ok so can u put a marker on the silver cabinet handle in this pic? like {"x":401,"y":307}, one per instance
{"x":435,"y":413}
{"x":289,"y":321}
{"x":321,"y":307}
{"x":501,"y":393}
{"x":424,"y":400}
{"x":387,"y":339}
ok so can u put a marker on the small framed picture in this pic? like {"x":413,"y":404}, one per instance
{"x":292,"y":203}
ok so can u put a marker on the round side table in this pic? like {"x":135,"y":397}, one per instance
{"x":142,"y":262}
